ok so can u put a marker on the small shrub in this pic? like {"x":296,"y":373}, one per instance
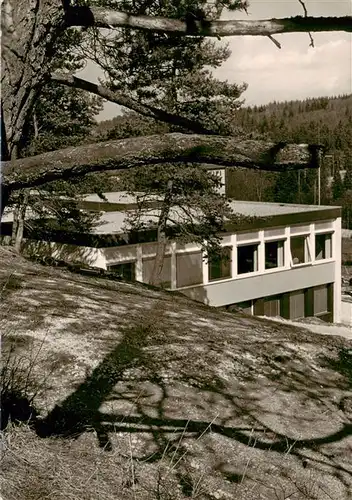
{"x":20,"y":383}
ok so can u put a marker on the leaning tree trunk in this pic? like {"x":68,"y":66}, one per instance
{"x":161,"y":237}
{"x":30,"y":29}
{"x":20,"y":208}
{"x":21,"y":221}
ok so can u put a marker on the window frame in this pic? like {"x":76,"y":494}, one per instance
{"x":229,"y":261}
{"x":325,"y":234}
{"x":307,"y":250}
{"x":123,"y":263}
{"x":280,"y":249}
{"x":255,"y":257}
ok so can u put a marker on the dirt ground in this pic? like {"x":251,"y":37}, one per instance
{"x":147,"y":395}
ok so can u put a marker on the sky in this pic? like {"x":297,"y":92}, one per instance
{"x":296,"y":71}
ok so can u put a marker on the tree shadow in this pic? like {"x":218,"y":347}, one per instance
{"x":82,"y":410}
{"x":163,"y":380}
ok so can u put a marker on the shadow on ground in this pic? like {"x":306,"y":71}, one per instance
{"x":238,"y":394}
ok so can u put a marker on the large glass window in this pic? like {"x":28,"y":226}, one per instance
{"x":165,"y":276}
{"x":125,"y":270}
{"x":299,"y":250}
{"x":320,"y":299}
{"x":247,"y":259}
{"x":274,"y":254}
{"x":272,"y":306}
{"x":323,"y":246}
{"x":220,"y":265}
{"x":189,"y":269}
{"x":297,"y":304}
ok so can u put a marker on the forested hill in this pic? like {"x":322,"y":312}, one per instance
{"x":325,"y":120}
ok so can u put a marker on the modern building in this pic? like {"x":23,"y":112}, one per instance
{"x":285,"y":260}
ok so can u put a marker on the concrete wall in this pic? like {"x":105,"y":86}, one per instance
{"x":221,"y":293}
{"x":346,"y":312}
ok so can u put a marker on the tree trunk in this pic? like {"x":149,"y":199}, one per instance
{"x":111,"y":18}
{"x":16,"y":210}
{"x":161,"y":237}
{"x":21,"y":214}
{"x":151,"y":150}
{"x":30,"y":29}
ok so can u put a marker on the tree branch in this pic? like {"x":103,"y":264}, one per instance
{"x":130,"y":103}
{"x":156,"y":149}
{"x":108,"y":18}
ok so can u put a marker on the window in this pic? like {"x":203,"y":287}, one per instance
{"x":189,"y":269}
{"x":297,"y":304}
{"x":245,"y":306}
{"x":220,"y":266}
{"x":165,"y":276}
{"x":126,"y":270}
{"x":247,"y":259}
{"x":274,"y":254}
{"x":299,"y":250}
{"x":272,"y":306}
{"x":320,"y":299}
{"x":220,"y":173}
{"x":323,"y":246}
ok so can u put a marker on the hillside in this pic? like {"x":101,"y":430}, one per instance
{"x":147,"y":395}
{"x":321,"y":120}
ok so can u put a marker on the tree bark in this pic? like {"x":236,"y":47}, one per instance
{"x":30,"y":29}
{"x":110,"y":18}
{"x":16,"y":211}
{"x":22,"y":207}
{"x":130,"y":103}
{"x":173,"y":148}
{"x":161,"y":236}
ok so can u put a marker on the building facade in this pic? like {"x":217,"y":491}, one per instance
{"x":278,"y":267}
{"x":285,"y":262}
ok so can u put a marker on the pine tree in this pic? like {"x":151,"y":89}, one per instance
{"x":347,"y":182}
{"x":337,"y":185}
{"x":62,"y":117}
{"x":174,"y":74}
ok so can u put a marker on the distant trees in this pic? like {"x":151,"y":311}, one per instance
{"x":326,"y":121}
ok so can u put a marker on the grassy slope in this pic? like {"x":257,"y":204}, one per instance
{"x":153,"y":396}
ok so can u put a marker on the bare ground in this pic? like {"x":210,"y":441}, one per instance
{"x":148,"y":395}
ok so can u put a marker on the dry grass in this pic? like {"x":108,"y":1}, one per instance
{"x":156,"y":397}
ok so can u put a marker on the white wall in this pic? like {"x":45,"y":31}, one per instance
{"x":346,"y":312}
{"x":221,"y":293}
{"x":337,"y":256}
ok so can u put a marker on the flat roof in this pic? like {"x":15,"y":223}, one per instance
{"x":267,"y":213}
{"x":266,"y":209}
{"x":122,"y":197}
